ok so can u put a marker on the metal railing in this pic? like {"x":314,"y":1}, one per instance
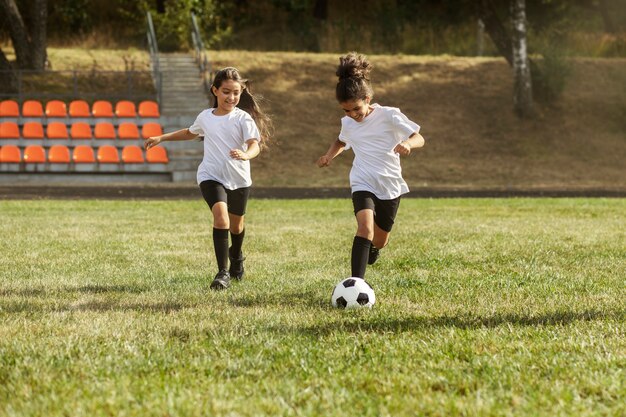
{"x":201,"y":56}
{"x":153,"y":48}
{"x":75,"y":84}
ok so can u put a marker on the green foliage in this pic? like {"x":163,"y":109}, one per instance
{"x":485,"y":307}
{"x":400,"y":26}
{"x":70,"y":17}
{"x":553,"y":71}
{"x":173,"y":28}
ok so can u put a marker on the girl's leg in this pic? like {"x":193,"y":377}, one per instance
{"x":386,"y":211}
{"x":215,"y":196}
{"x":237,"y":233}
{"x":381,"y":237}
{"x":236,"y":223}
{"x":221,"y":224}
{"x":237,"y":202}
{"x":362,"y":242}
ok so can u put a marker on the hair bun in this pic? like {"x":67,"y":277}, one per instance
{"x":353,"y":65}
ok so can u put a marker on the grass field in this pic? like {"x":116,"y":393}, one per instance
{"x":484,"y":308}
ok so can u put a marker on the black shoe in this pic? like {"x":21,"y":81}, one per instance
{"x":373,"y":256}
{"x":221,"y":280}
{"x":236,"y":266}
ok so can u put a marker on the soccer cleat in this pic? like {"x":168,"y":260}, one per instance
{"x":221,"y":280}
{"x":373,"y":256}
{"x":236,"y":266}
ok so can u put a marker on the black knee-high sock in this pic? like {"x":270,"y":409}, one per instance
{"x":220,"y":243}
{"x":360,"y":254}
{"x":235,"y":249}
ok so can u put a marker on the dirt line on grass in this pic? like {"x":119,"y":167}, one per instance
{"x":172,"y":192}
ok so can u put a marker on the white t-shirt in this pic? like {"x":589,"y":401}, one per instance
{"x":376,"y":167}
{"x":221,"y":134}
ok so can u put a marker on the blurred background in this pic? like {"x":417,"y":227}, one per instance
{"x":458,"y":68}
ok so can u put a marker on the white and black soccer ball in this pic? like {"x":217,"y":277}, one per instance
{"x":353,"y":293}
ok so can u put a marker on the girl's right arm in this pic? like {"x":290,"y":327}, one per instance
{"x":335,"y":149}
{"x":183,"y":134}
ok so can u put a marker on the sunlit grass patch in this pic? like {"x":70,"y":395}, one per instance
{"x":484,"y":307}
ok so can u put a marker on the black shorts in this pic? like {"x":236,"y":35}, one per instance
{"x":384,"y":210}
{"x":236,"y":200}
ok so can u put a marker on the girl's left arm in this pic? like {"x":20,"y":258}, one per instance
{"x":414,"y":141}
{"x":252,"y":152}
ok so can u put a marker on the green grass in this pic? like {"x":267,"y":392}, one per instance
{"x":484,"y":308}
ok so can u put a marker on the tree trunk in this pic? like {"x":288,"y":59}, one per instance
{"x":522,"y":97}
{"x":320,"y":9}
{"x":480,"y":37}
{"x":160,"y":6}
{"x":609,"y":27}
{"x":39,"y":34}
{"x":7,"y":75}
{"x":496,"y":30}
{"x":30,"y":48}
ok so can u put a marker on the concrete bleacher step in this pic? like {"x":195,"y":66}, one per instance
{"x":182,"y":91}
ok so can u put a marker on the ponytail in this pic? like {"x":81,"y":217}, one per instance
{"x":354,"y":78}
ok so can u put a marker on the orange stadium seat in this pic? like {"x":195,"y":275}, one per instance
{"x":80,"y":130}
{"x":107,"y":154}
{"x":83,"y":154}
{"x":34,"y":154}
{"x":10,"y":154}
{"x":32,"y":130}
{"x":79,"y":108}
{"x":102,"y":108}
{"x":157,"y":155}
{"x":128,"y":131}
{"x":9,"y":130}
{"x":151,"y":129}
{"x":57,"y":130}
{"x":132,"y":154}
{"x":56,"y":108}
{"x":59,"y":154}
{"x":125,"y":108}
{"x":149,"y":108}
{"x":104,"y":130}
{"x":9,"y":108}
{"x":32,"y":108}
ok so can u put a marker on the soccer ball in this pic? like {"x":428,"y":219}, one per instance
{"x":353,"y":293}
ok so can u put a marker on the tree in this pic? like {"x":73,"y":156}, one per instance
{"x":486,"y":11}
{"x":29,"y":43}
{"x":522,"y":96}
{"x":513,"y":48}
{"x":609,"y":26}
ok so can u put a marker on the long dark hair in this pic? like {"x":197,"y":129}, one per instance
{"x":247,"y":102}
{"x":354,"y":78}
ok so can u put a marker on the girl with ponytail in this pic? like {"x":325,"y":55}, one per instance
{"x":378,"y":136}
{"x":234,"y":130}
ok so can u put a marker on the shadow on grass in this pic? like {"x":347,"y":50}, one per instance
{"x":88,"y":289}
{"x":363,"y":323}
{"x":100,"y":289}
{"x":97,"y":306}
{"x":281,"y":299}
{"x":161,"y":307}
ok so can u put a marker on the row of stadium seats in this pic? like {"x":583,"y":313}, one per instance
{"x":82,"y":154}
{"x":78,"y":130}
{"x":80,"y":109}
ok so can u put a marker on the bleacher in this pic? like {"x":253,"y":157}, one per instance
{"x":79,"y":139}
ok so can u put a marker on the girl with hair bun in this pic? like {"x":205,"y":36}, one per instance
{"x":378,"y":136}
{"x":234,"y":132}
